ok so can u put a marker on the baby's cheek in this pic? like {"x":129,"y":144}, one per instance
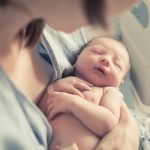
{"x":113,"y":79}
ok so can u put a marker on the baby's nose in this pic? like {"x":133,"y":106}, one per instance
{"x":104,"y":62}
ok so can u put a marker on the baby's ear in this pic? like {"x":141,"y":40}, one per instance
{"x":122,"y":81}
{"x":76,"y":60}
{"x":78,"y":56}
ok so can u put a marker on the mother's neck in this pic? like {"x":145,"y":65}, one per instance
{"x":29,"y":72}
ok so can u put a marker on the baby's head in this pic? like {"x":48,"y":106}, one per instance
{"x":103,"y":62}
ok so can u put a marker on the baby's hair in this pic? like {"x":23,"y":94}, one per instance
{"x":88,"y":43}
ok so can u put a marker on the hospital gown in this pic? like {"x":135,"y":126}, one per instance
{"x":22,"y":125}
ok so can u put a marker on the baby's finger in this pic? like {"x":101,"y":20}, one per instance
{"x":86,"y":82}
{"x":52,"y":114}
{"x":51,"y":107}
{"x":82,"y":86}
{"x":72,"y":147}
{"x":75,"y":91}
{"x":58,"y":147}
{"x":48,"y":112}
{"x":53,"y":94}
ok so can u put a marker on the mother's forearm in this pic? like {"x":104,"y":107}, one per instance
{"x":124,"y":136}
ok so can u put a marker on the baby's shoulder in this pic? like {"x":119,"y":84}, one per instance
{"x":95,"y":88}
{"x":110,"y":89}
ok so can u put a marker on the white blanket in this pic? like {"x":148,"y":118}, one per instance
{"x":144,"y":126}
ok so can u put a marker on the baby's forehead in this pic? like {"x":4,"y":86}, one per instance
{"x":104,"y":41}
{"x":109,"y":44}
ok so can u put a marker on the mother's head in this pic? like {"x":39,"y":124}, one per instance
{"x":65,"y":14}
{"x":25,"y":18}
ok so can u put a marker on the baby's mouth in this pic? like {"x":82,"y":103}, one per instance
{"x":101,"y":70}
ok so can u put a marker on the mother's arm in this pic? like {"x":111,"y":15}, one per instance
{"x":124,"y":136}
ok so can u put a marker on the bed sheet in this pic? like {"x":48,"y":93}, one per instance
{"x":143,"y":119}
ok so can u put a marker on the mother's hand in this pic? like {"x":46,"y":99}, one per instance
{"x":124,"y":136}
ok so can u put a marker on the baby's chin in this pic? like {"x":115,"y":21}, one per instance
{"x":102,"y":83}
{"x":96,"y":82}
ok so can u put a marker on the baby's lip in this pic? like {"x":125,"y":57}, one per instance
{"x":101,"y":69}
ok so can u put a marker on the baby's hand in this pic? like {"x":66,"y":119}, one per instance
{"x":58,"y":102}
{"x":72,"y":147}
{"x":72,"y":85}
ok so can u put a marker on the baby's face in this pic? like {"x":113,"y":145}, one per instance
{"x":104,"y":62}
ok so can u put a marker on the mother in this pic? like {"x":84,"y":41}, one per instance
{"x":24,"y":75}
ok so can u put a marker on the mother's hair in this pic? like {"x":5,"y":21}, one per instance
{"x":31,"y":33}
{"x":95,"y":12}
{"x":4,"y":2}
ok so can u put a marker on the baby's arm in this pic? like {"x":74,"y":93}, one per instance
{"x":111,"y":100}
{"x":72,"y":85}
{"x":99,"y":119}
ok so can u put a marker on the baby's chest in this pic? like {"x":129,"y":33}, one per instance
{"x":94,"y":96}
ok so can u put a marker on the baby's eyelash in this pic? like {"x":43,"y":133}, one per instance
{"x":99,"y":51}
{"x":118,"y":66}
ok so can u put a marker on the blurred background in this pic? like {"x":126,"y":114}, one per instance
{"x":133,"y":28}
